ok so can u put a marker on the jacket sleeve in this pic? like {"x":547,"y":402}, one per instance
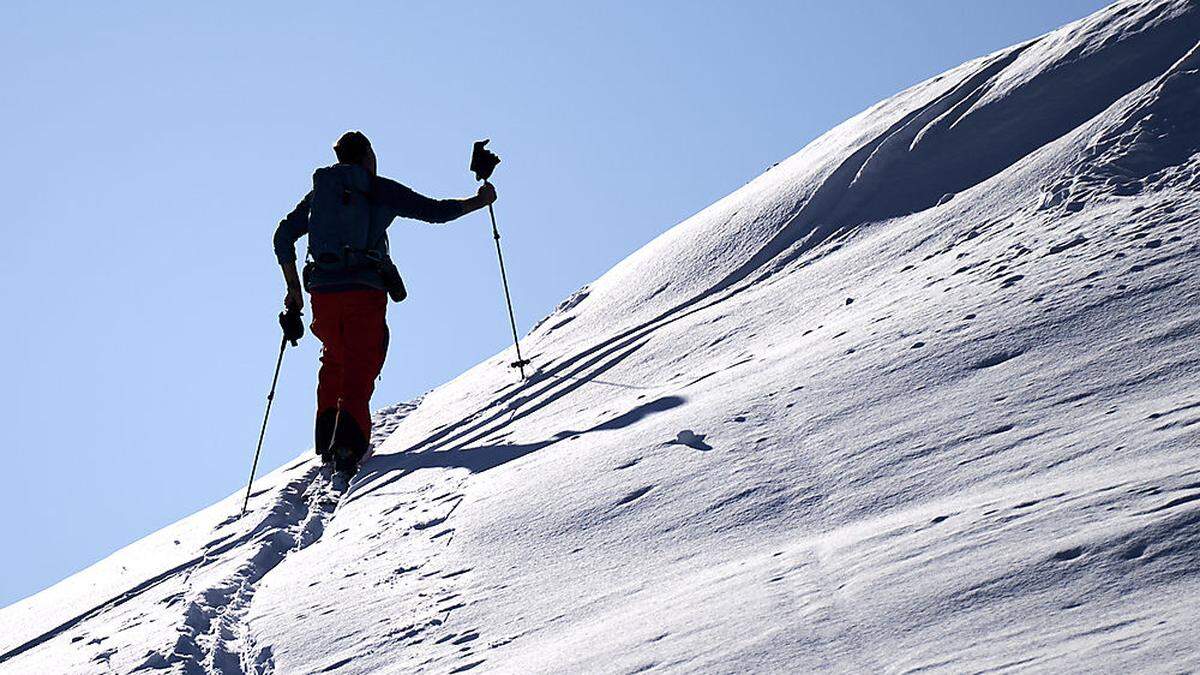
{"x":407,"y":203}
{"x":291,"y":228}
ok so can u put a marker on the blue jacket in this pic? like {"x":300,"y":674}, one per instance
{"x":389,"y":200}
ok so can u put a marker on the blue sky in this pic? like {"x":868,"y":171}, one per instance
{"x":152,"y":147}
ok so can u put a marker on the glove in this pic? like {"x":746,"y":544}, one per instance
{"x":483,"y":161}
{"x":292,"y":323}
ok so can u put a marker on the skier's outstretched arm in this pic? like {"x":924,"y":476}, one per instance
{"x":408,"y":203}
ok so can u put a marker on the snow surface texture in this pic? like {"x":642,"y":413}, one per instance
{"x":923,"y":396}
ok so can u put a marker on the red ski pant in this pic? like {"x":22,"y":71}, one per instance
{"x":352,"y":327}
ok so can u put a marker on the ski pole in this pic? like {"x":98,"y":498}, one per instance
{"x":293,"y":330}
{"x":483,"y":162}
{"x":520,"y":362}
{"x":263,"y":432}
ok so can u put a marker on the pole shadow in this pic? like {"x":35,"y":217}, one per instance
{"x":383,"y":470}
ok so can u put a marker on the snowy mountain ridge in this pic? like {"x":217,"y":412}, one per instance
{"x":923,"y":396}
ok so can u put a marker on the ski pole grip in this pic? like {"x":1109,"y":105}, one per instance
{"x":292,"y":323}
{"x":483,"y":161}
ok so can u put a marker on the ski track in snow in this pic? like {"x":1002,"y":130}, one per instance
{"x":211,"y":635}
{"x":212,"y":638}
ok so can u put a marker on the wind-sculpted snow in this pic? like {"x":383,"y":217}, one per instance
{"x":910,"y":153}
{"x":924,"y":396}
{"x":1018,"y":101}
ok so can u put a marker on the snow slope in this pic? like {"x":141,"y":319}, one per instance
{"x":924,"y":396}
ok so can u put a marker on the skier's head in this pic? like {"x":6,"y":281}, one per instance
{"x":354,"y":148}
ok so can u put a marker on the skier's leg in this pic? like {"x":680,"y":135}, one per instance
{"x":327,"y":325}
{"x":366,"y":347}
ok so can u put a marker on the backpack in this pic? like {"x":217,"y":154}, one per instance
{"x":339,"y":227}
{"x":339,"y":218}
